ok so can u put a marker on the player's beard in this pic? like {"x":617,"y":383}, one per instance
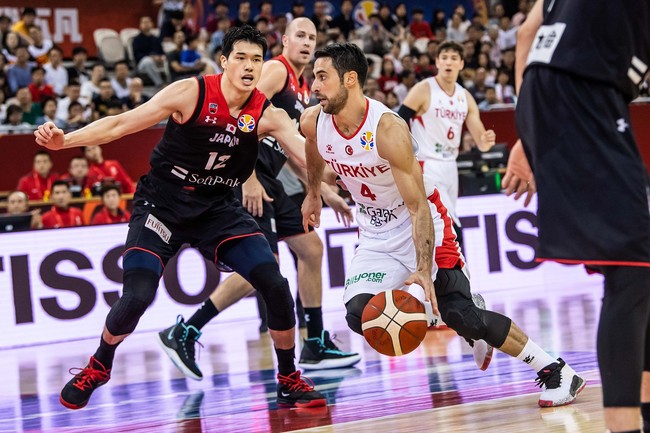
{"x":336,"y":104}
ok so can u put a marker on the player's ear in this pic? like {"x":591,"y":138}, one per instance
{"x":350,"y":78}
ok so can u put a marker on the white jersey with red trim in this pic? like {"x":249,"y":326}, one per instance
{"x":368,"y":177}
{"x":438,"y":129}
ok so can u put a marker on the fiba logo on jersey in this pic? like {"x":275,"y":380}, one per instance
{"x":367,"y":141}
{"x":246,"y":123}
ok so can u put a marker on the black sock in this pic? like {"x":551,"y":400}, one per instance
{"x":645,"y":412}
{"x":629,"y":431}
{"x":286,"y":357}
{"x":314,"y":319}
{"x":105,"y":353}
{"x":203,"y":315}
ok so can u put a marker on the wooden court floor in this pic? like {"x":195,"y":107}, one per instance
{"x":437,"y":388}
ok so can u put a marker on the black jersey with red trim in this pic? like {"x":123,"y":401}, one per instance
{"x":212,"y":151}
{"x":293,"y":98}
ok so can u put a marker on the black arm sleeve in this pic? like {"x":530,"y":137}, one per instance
{"x":405,"y":113}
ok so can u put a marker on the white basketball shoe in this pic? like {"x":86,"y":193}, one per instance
{"x":482,"y":351}
{"x":560,"y":383}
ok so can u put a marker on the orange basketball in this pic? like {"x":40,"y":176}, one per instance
{"x":394,"y":322}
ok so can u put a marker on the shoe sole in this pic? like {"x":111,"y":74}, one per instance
{"x":550,"y":403}
{"x":328,"y":364}
{"x":486,"y":360}
{"x":72,"y":406}
{"x":312,"y":403}
{"x":176,"y":360}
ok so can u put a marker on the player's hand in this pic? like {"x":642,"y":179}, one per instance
{"x":254,"y":196}
{"x":49,"y":136}
{"x":424,"y":280}
{"x":341,"y":184}
{"x":519,"y":177}
{"x":488,"y":138}
{"x":339,"y":206}
{"x":311,"y":209}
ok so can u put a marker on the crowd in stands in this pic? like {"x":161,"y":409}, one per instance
{"x":400,"y":43}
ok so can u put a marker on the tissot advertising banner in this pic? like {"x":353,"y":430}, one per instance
{"x":58,"y":285}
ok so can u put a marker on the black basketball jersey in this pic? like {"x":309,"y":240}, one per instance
{"x":602,"y":40}
{"x":212,"y":151}
{"x":293,"y":98}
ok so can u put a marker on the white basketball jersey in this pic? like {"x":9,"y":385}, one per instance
{"x":438,"y":130}
{"x":368,"y":177}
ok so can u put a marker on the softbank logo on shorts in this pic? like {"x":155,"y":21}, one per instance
{"x":371,"y":277}
{"x":157,"y":226}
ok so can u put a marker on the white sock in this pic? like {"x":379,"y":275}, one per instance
{"x":535,"y":356}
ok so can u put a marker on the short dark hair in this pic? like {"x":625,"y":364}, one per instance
{"x":451,"y":46}
{"x":38,"y":68}
{"x":43,"y":152}
{"x":28,"y":11}
{"x":109,"y":187}
{"x":60,"y":182}
{"x":243,"y":33}
{"x":78,"y":50}
{"x":346,"y":57}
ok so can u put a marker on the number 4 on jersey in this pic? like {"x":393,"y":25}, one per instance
{"x":365,"y":191}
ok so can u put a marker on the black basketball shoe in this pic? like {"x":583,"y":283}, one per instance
{"x":294,"y":391}
{"x":322,"y":353}
{"x":76,"y":393}
{"x":178,"y":343}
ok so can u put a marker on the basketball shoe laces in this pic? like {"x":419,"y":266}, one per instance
{"x":89,"y":376}
{"x":295,"y":383}
{"x":188,"y":344}
{"x":550,"y":376}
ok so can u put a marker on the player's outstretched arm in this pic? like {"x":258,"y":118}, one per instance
{"x":312,"y":205}
{"x":484,"y":139}
{"x":525,"y":37}
{"x":394,"y":145}
{"x":179,"y":97}
{"x":277,"y":123}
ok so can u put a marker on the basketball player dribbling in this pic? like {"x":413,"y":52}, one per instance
{"x":402,"y":228}
{"x":209,"y":146}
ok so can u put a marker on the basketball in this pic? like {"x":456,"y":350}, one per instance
{"x":394,"y":322}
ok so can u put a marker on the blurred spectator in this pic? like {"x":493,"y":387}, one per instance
{"x":522,"y":11}
{"x":320,"y":18}
{"x":72,"y":94}
{"x":344,"y":21}
{"x":490,"y":70}
{"x":467,"y":143}
{"x":176,"y":70}
{"x":14,"y":117}
{"x":55,"y":73}
{"x":77,"y":72}
{"x":37,"y":87}
{"x":280,"y":23}
{"x":391,"y":101}
{"x":17,"y":203}
{"x":27,"y":17}
{"x":76,"y":117}
{"x":5,"y":28}
{"x":243,"y":14}
{"x":148,"y":53}
{"x":104,"y":99}
{"x":221,"y":10}
{"x":387,"y":20}
{"x":401,"y":15}
{"x":492,"y":37}
{"x":115,"y":108}
{"x":40,"y":47}
{"x":471,"y":56}
{"x":504,"y":89}
{"x":216,"y":40}
{"x":82,"y":185}
{"x":508,"y":63}
{"x":498,"y":12}
{"x":121,"y":81}
{"x":455,"y":30}
{"x":91,"y":88}
{"x":20,"y":73}
{"x":297,"y":10}
{"x":378,"y":95}
{"x":108,"y":169}
{"x":3,"y":106}
{"x":376,"y":39}
{"x":136,"y":97}
{"x":370,"y":87}
{"x":407,"y":81}
{"x":11,"y":43}
{"x":272,"y":39}
{"x":479,"y":87}
{"x":420,"y":28}
{"x":111,"y":213}
{"x":460,"y":10}
{"x":62,"y":214}
{"x":169,"y":8}
{"x":425,"y":68}
{"x":31,"y":111}
{"x":490,"y":98}
{"x":49,"y":113}
{"x":387,"y":77}
{"x":507,"y":34}
{"x":37,"y":184}
{"x":439,"y":20}
{"x":174,"y":25}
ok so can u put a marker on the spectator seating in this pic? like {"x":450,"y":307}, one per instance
{"x":109,"y":46}
{"x":126,"y":36}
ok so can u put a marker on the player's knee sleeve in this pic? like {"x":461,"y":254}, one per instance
{"x":140,"y":259}
{"x":140,"y":287}
{"x":461,"y":315}
{"x":354,"y":309}
{"x":274,"y":288}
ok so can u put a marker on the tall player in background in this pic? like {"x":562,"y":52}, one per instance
{"x":585,"y":61}
{"x":401,"y":228}
{"x":209,"y":146}
{"x":436,"y":109}
{"x":279,"y":219}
